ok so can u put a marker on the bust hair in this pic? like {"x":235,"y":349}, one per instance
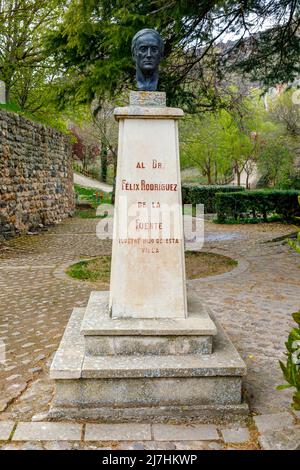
{"x":141,"y":33}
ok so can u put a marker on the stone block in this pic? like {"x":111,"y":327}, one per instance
{"x":147,"y":98}
{"x":68,"y":359}
{"x":47,"y":432}
{"x":156,"y":414}
{"x":118,"y":432}
{"x":273,"y":421}
{"x":97,"y":321}
{"x":147,"y":345}
{"x":6,"y":428}
{"x":284,"y":439}
{"x":147,"y":112}
{"x":235,"y":435}
{"x":148,"y":392}
{"x":105,"y":336}
{"x":165,"y":432}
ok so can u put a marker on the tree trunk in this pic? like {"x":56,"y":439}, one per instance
{"x":247,"y":182}
{"x":103,"y":156}
{"x":216,"y":173}
{"x":208,"y":171}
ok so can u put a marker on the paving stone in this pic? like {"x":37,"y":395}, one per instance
{"x":138,"y":446}
{"x":47,"y":432}
{"x":215,"y":446}
{"x":24,"y":409}
{"x":193,"y":445}
{"x":86,"y":447}
{"x":40,"y":357}
{"x":39,"y":417}
{"x":297,"y":414}
{"x":35,"y":370}
{"x":170,"y":432}
{"x":58,"y":445}
{"x":32,"y":446}
{"x":235,"y":435}
{"x":9,"y":447}
{"x":3,"y":405}
{"x":6,"y":428}
{"x":12,"y":377}
{"x":273,"y":421}
{"x":118,"y":432}
{"x":148,"y":445}
{"x":283,"y":439}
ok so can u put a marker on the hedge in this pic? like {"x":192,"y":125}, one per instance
{"x":205,"y":195}
{"x":257,"y":204}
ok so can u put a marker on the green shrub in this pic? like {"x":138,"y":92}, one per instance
{"x":296,"y":244}
{"x":48,"y":119}
{"x":291,"y":369}
{"x":205,"y":195}
{"x":294,"y":182}
{"x":257,"y":204}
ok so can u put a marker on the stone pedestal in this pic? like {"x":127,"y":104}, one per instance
{"x":148,"y":270}
{"x":146,"y":350}
{"x":146,"y":369}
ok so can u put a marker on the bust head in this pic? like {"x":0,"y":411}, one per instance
{"x":147,"y":51}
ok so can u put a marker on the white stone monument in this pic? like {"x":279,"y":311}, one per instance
{"x":2,"y":93}
{"x":149,"y":240}
{"x":146,"y":350}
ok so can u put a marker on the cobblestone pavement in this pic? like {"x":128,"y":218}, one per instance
{"x":254,"y":303}
{"x":255,"y":307}
{"x":35,"y":305}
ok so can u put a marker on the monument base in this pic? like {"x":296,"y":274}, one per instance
{"x":105,"y":379}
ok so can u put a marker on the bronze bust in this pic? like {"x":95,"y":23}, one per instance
{"x":147,"y":51}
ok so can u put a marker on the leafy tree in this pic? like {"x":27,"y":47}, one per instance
{"x":25,"y":66}
{"x":86,"y":146}
{"x":276,"y":162}
{"x":201,"y":146}
{"x":285,"y":109}
{"x":221,"y":142}
{"x":93,"y":44}
{"x":107,"y":129}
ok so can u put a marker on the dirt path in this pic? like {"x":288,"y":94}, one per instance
{"x":91,"y":183}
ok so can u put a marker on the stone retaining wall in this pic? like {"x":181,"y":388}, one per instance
{"x":36,"y":178}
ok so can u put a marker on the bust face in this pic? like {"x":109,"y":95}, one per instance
{"x":147,"y":53}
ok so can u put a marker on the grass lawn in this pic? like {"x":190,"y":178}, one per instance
{"x":95,"y":197}
{"x":198,"y":264}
